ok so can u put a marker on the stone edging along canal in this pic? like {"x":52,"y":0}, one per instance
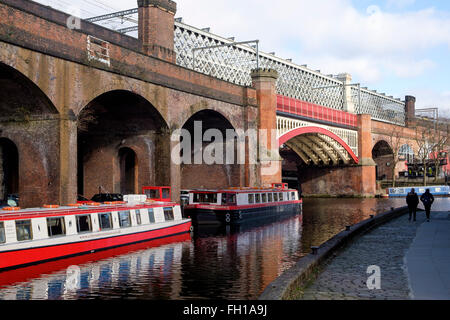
{"x":305,"y":269}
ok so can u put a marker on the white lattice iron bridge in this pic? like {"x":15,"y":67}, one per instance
{"x":234,"y":63}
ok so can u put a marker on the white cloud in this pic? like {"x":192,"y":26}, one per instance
{"x":400,"y":3}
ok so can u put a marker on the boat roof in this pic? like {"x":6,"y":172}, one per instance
{"x":77,"y":210}
{"x":241,"y":190}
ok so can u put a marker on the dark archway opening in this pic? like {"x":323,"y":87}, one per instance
{"x":382,"y":154}
{"x":9,"y":169}
{"x":128,"y":171}
{"x":114,"y":130}
{"x":226,"y":172}
{"x":28,"y":117}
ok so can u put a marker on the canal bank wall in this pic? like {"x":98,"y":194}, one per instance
{"x":308,"y":267}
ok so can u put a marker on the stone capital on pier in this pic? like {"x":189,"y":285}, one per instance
{"x":264,"y":73}
{"x":167,"y":5}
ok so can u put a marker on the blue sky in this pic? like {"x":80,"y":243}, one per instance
{"x":400,"y":47}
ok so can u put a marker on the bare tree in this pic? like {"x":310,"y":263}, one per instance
{"x":395,"y":141}
{"x":439,"y":140}
{"x":423,"y":137}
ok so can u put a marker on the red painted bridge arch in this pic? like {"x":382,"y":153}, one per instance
{"x":316,"y":130}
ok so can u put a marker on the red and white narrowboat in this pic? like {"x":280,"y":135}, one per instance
{"x":236,"y":205}
{"x":32,"y":236}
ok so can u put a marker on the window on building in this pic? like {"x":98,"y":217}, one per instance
{"x":23,"y":230}
{"x":151,"y":215}
{"x":84,"y":223}
{"x":105,"y":220}
{"x":257,"y":198}
{"x":124,"y":219}
{"x":251,"y":198}
{"x":269,"y":197}
{"x":2,"y":233}
{"x":56,"y":227}
{"x":168,"y":214}
{"x":138,"y":217}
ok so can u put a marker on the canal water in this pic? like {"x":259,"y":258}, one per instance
{"x":210,"y":263}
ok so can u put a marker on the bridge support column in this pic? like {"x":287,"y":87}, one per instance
{"x":68,"y":159}
{"x":156,"y":26}
{"x":264,"y":81}
{"x":366,"y":166}
{"x":410,"y":110}
{"x":175,"y":167}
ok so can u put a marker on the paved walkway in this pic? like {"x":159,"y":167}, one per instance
{"x":428,"y":259}
{"x":411,"y":267}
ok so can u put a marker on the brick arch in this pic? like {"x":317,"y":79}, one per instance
{"x":37,"y":181}
{"x":209,"y":175}
{"x":121,"y":119}
{"x":380,"y":139}
{"x":21,"y":69}
{"x":285,"y":138}
{"x":24,"y":93}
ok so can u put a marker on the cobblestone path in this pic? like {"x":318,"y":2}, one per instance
{"x":345,"y":276}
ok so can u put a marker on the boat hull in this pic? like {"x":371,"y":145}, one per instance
{"x":13,"y":259}
{"x":211,"y":215}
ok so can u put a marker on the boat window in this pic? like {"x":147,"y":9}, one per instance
{"x":23,"y":230}
{"x":84,"y":223}
{"x":2,"y":233}
{"x":151,"y":215}
{"x":229,"y":198}
{"x":56,"y":227}
{"x":258,"y":198}
{"x":152,"y":193}
{"x":269,"y":197}
{"x":275,"y":197}
{"x":287,"y":195}
{"x":165,"y":193}
{"x":138,"y":216}
{"x":293,"y":195}
{"x":205,"y":197}
{"x":280,"y":196}
{"x":264,"y":197}
{"x":105,"y":220}
{"x":124,"y":219}
{"x":251,"y":198}
{"x":168,"y":214}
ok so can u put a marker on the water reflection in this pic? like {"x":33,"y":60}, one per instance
{"x":212,"y":263}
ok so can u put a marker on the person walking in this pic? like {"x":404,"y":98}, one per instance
{"x":412,"y":200}
{"x":427,"y":200}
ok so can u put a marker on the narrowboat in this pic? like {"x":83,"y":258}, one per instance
{"x":37,"y":235}
{"x":237,"y":205}
{"x":435,"y":191}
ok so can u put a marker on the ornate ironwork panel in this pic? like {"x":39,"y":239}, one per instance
{"x":379,"y":106}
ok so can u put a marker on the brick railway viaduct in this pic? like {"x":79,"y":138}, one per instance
{"x":89,"y":107}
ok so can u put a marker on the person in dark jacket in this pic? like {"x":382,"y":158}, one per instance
{"x":427,"y":200}
{"x":412,"y":200}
